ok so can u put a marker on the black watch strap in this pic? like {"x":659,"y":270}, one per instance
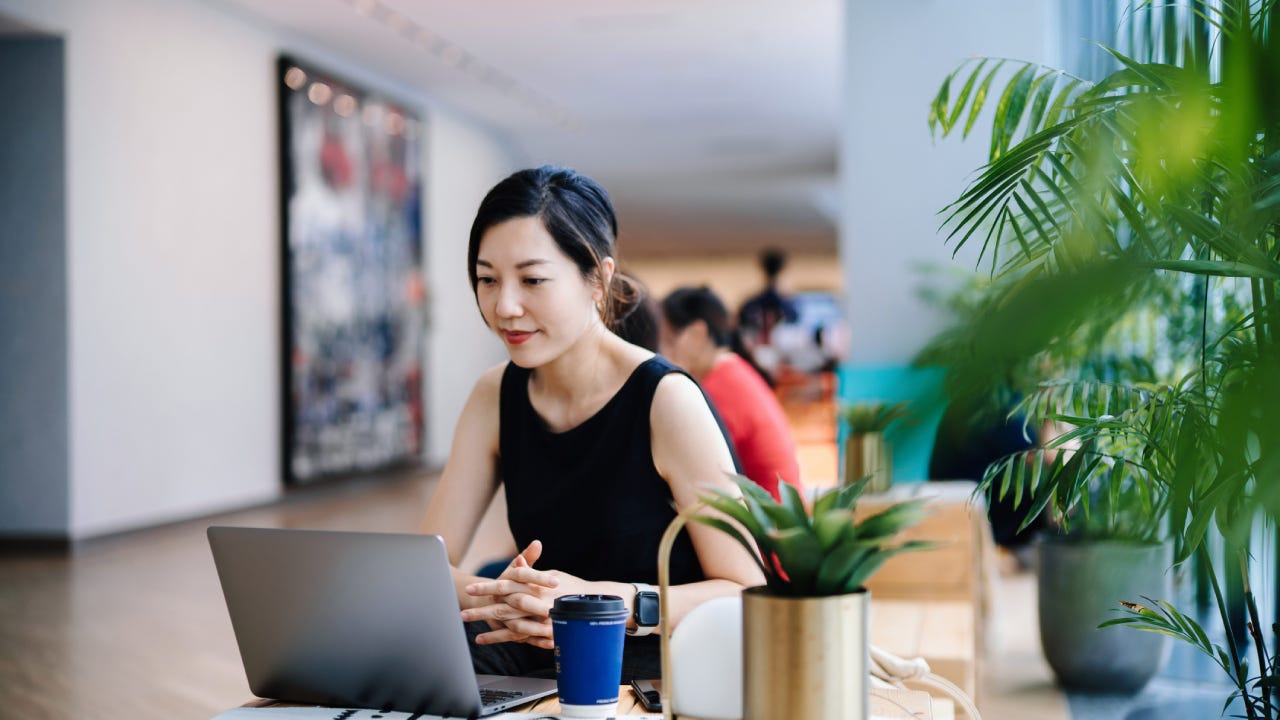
{"x":644,"y":610}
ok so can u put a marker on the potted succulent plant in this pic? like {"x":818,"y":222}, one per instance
{"x":805,"y":631}
{"x":866,"y":451}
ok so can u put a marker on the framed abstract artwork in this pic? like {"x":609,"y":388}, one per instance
{"x":353,"y":294}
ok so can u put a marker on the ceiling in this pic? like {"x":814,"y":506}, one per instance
{"x":709,"y":121}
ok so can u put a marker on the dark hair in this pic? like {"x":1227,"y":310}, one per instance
{"x":772,"y":260}
{"x":577,"y":214}
{"x":687,"y":305}
{"x":640,"y":327}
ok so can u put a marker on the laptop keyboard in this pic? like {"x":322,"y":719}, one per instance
{"x":490,"y":697}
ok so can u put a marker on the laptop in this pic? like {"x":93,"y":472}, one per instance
{"x":350,"y":619}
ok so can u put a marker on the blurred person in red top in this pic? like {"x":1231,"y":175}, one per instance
{"x":696,"y":334}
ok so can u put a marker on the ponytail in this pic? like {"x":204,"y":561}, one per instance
{"x":621,"y":299}
{"x":634,"y":312}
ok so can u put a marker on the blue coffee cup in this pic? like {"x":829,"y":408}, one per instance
{"x":589,"y":631}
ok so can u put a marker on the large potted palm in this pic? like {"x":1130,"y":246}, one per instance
{"x":1094,"y":486}
{"x":1098,"y":192}
{"x":1106,"y":483}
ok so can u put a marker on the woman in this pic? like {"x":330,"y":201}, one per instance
{"x":591,"y":437}
{"x":696,"y":336}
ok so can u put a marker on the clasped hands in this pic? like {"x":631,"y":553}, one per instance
{"x":520,"y":600}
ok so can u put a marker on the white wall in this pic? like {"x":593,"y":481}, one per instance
{"x":173,"y":254}
{"x":893,"y":178}
{"x":462,"y":164}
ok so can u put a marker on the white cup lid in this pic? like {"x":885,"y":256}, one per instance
{"x":589,"y":711}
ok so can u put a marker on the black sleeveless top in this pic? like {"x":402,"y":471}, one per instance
{"x":591,"y":494}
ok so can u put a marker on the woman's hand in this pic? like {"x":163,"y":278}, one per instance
{"x":524,"y":559}
{"x":522,"y":600}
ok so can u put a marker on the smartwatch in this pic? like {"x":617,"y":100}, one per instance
{"x":645,"y":610}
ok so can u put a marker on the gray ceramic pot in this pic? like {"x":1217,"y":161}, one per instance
{"x":1080,"y":583}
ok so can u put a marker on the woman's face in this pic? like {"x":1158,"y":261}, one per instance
{"x":531,"y":294}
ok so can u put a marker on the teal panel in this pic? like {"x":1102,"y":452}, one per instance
{"x":912,"y":439}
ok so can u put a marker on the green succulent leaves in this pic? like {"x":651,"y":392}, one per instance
{"x":873,"y":416}
{"x":817,"y":553}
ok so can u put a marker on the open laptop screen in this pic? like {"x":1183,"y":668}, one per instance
{"x":348,"y":619}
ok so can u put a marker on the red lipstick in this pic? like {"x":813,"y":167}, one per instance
{"x":516,"y":337}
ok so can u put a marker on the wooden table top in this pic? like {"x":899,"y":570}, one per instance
{"x":882,"y":706}
{"x":627,"y":704}
{"x":884,"y":703}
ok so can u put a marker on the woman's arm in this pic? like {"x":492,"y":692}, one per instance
{"x":470,"y":478}
{"x":691,"y":454}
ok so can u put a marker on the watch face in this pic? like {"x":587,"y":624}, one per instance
{"x":647,"y":608}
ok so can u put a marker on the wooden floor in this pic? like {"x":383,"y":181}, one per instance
{"x":134,"y":627}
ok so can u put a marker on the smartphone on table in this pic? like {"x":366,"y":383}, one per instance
{"x":649,"y":693}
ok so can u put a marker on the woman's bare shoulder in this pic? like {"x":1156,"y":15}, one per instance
{"x":675,"y":395}
{"x":493,"y":376}
{"x":488,"y":386}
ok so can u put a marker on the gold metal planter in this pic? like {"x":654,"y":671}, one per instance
{"x":804,"y":658}
{"x":868,"y":454}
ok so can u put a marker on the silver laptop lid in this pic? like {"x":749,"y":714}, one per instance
{"x":347,"y":619}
